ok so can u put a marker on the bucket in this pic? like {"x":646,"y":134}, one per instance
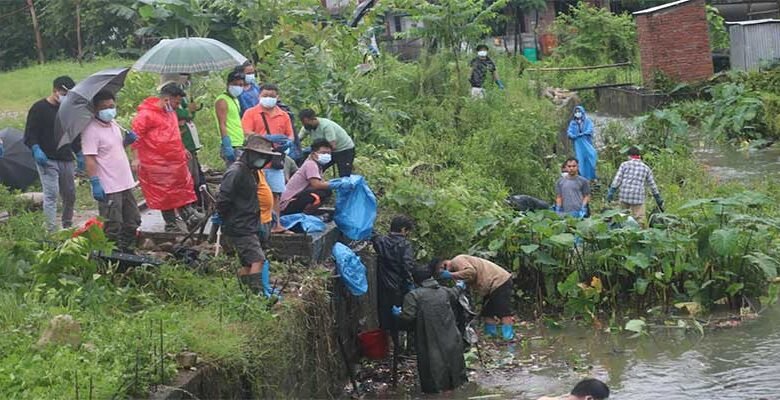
{"x":373,"y":344}
{"x":530,"y":54}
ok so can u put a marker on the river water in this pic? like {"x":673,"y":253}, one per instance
{"x":742,"y":362}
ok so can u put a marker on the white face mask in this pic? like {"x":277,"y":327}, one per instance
{"x":323,"y":158}
{"x":482,"y":53}
{"x":235,"y":91}
{"x":578,"y":115}
{"x":268,"y":102}
{"x":564,"y":174}
{"x":250,"y":78}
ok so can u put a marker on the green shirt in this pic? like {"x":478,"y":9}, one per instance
{"x":331,"y":132}
{"x":184,"y":114}
{"x":233,"y":123}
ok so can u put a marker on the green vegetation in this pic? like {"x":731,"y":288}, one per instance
{"x":428,"y":150}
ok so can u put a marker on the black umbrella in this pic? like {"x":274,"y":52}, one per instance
{"x":76,"y":110}
{"x":17,"y":167}
{"x":361,"y":11}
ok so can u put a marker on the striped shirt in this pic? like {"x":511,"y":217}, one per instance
{"x":631,"y":178}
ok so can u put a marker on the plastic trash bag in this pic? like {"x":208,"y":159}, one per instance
{"x":355,"y":208}
{"x":302,"y":223}
{"x":351,"y":269}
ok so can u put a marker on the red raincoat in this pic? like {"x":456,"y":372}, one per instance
{"x":165,"y":179}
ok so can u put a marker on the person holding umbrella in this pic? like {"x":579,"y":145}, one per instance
{"x":55,"y":164}
{"x":109,"y":172}
{"x":161,"y":160}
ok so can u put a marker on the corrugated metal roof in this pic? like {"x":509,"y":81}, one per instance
{"x":758,"y":21}
{"x":661,"y":7}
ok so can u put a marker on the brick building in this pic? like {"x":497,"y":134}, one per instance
{"x":673,"y":40}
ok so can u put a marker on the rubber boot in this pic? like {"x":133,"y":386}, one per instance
{"x":265,"y":277}
{"x":507,"y":331}
{"x":491,"y":330}
{"x":253,"y":281}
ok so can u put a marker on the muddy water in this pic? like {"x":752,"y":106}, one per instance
{"x":735,"y":363}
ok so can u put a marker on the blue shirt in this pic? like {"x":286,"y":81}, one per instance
{"x":249,"y":99}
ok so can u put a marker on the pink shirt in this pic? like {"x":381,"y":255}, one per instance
{"x":300,"y":181}
{"x":104,"y":141}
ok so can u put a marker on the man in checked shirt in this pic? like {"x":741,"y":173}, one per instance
{"x":631,"y":178}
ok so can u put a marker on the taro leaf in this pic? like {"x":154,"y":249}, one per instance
{"x":696,"y":203}
{"x":496,"y":244}
{"x":640,"y":286}
{"x":570,"y":286}
{"x":529,"y":248}
{"x":724,"y":241}
{"x":562,"y":240}
{"x":636,"y":325}
{"x":637,"y":260}
{"x":545,"y":259}
{"x":765,"y":263}
{"x":734,"y":288}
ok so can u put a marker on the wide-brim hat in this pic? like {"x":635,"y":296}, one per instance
{"x":259,"y":144}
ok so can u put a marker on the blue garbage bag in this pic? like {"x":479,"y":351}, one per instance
{"x":355,"y":207}
{"x":281,"y":143}
{"x":302,"y":223}
{"x":351,"y":269}
{"x":581,"y":133}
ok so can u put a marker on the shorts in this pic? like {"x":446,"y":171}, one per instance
{"x":477,"y":92}
{"x":247,"y":247}
{"x":275,"y":179}
{"x":499,"y":302}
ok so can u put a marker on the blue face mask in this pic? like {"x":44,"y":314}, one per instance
{"x":323,"y":158}
{"x":578,"y":115}
{"x":268,"y":102}
{"x":107,"y":115}
{"x":235,"y":91}
{"x":250,"y":78}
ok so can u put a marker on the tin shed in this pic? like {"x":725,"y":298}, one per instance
{"x":754,"y":42}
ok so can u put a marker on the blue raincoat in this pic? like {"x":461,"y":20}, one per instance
{"x":581,"y":134}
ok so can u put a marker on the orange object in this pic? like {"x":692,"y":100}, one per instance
{"x":548,"y":42}
{"x":373,"y":344}
{"x":94,"y":221}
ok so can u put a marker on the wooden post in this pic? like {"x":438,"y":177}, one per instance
{"x":38,"y":40}
{"x":80,"y":51}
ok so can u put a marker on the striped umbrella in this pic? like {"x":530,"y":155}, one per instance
{"x":188,"y":55}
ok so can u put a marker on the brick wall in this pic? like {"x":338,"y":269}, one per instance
{"x":674,"y":40}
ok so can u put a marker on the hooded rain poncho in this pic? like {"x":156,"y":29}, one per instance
{"x":581,"y":134}
{"x":164,"y":176}
{"x":438,"y":342}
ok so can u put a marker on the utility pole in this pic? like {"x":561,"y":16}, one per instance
{"x":38,"y":40}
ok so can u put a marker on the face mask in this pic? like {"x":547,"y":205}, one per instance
{"x":268,"y":102}
{"x":482,"y":53}
{"x":310,"y":127}
{"x":323,"y":159}
{"x":564,"y":174}
{"x":578,"y":115}
{"x":260,"y":163}
{"x":235,"y":91}
{"x":250,"y":78}
{"x":107,"y":115}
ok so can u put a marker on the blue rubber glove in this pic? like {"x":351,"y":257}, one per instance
{"x":216,"y":219}
{"x":1,"y":150}
{"x":80,"y":163}
{"x":461,"y":285}
{"x":396,"y":310}
{"x":583,"y":211}
{"x":557,"y":208}
{"x":97,"y":189}
{"x":130,"y":138}
{"x":444,"y":274}
{"x":227,"y":149}
{"x":500,"y":84}
{"x":611,"y":194}
{"x":39,"y":155}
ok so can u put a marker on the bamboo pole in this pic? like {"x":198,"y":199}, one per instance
{"x":38,"y":39}
{"x":624,"y":64}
